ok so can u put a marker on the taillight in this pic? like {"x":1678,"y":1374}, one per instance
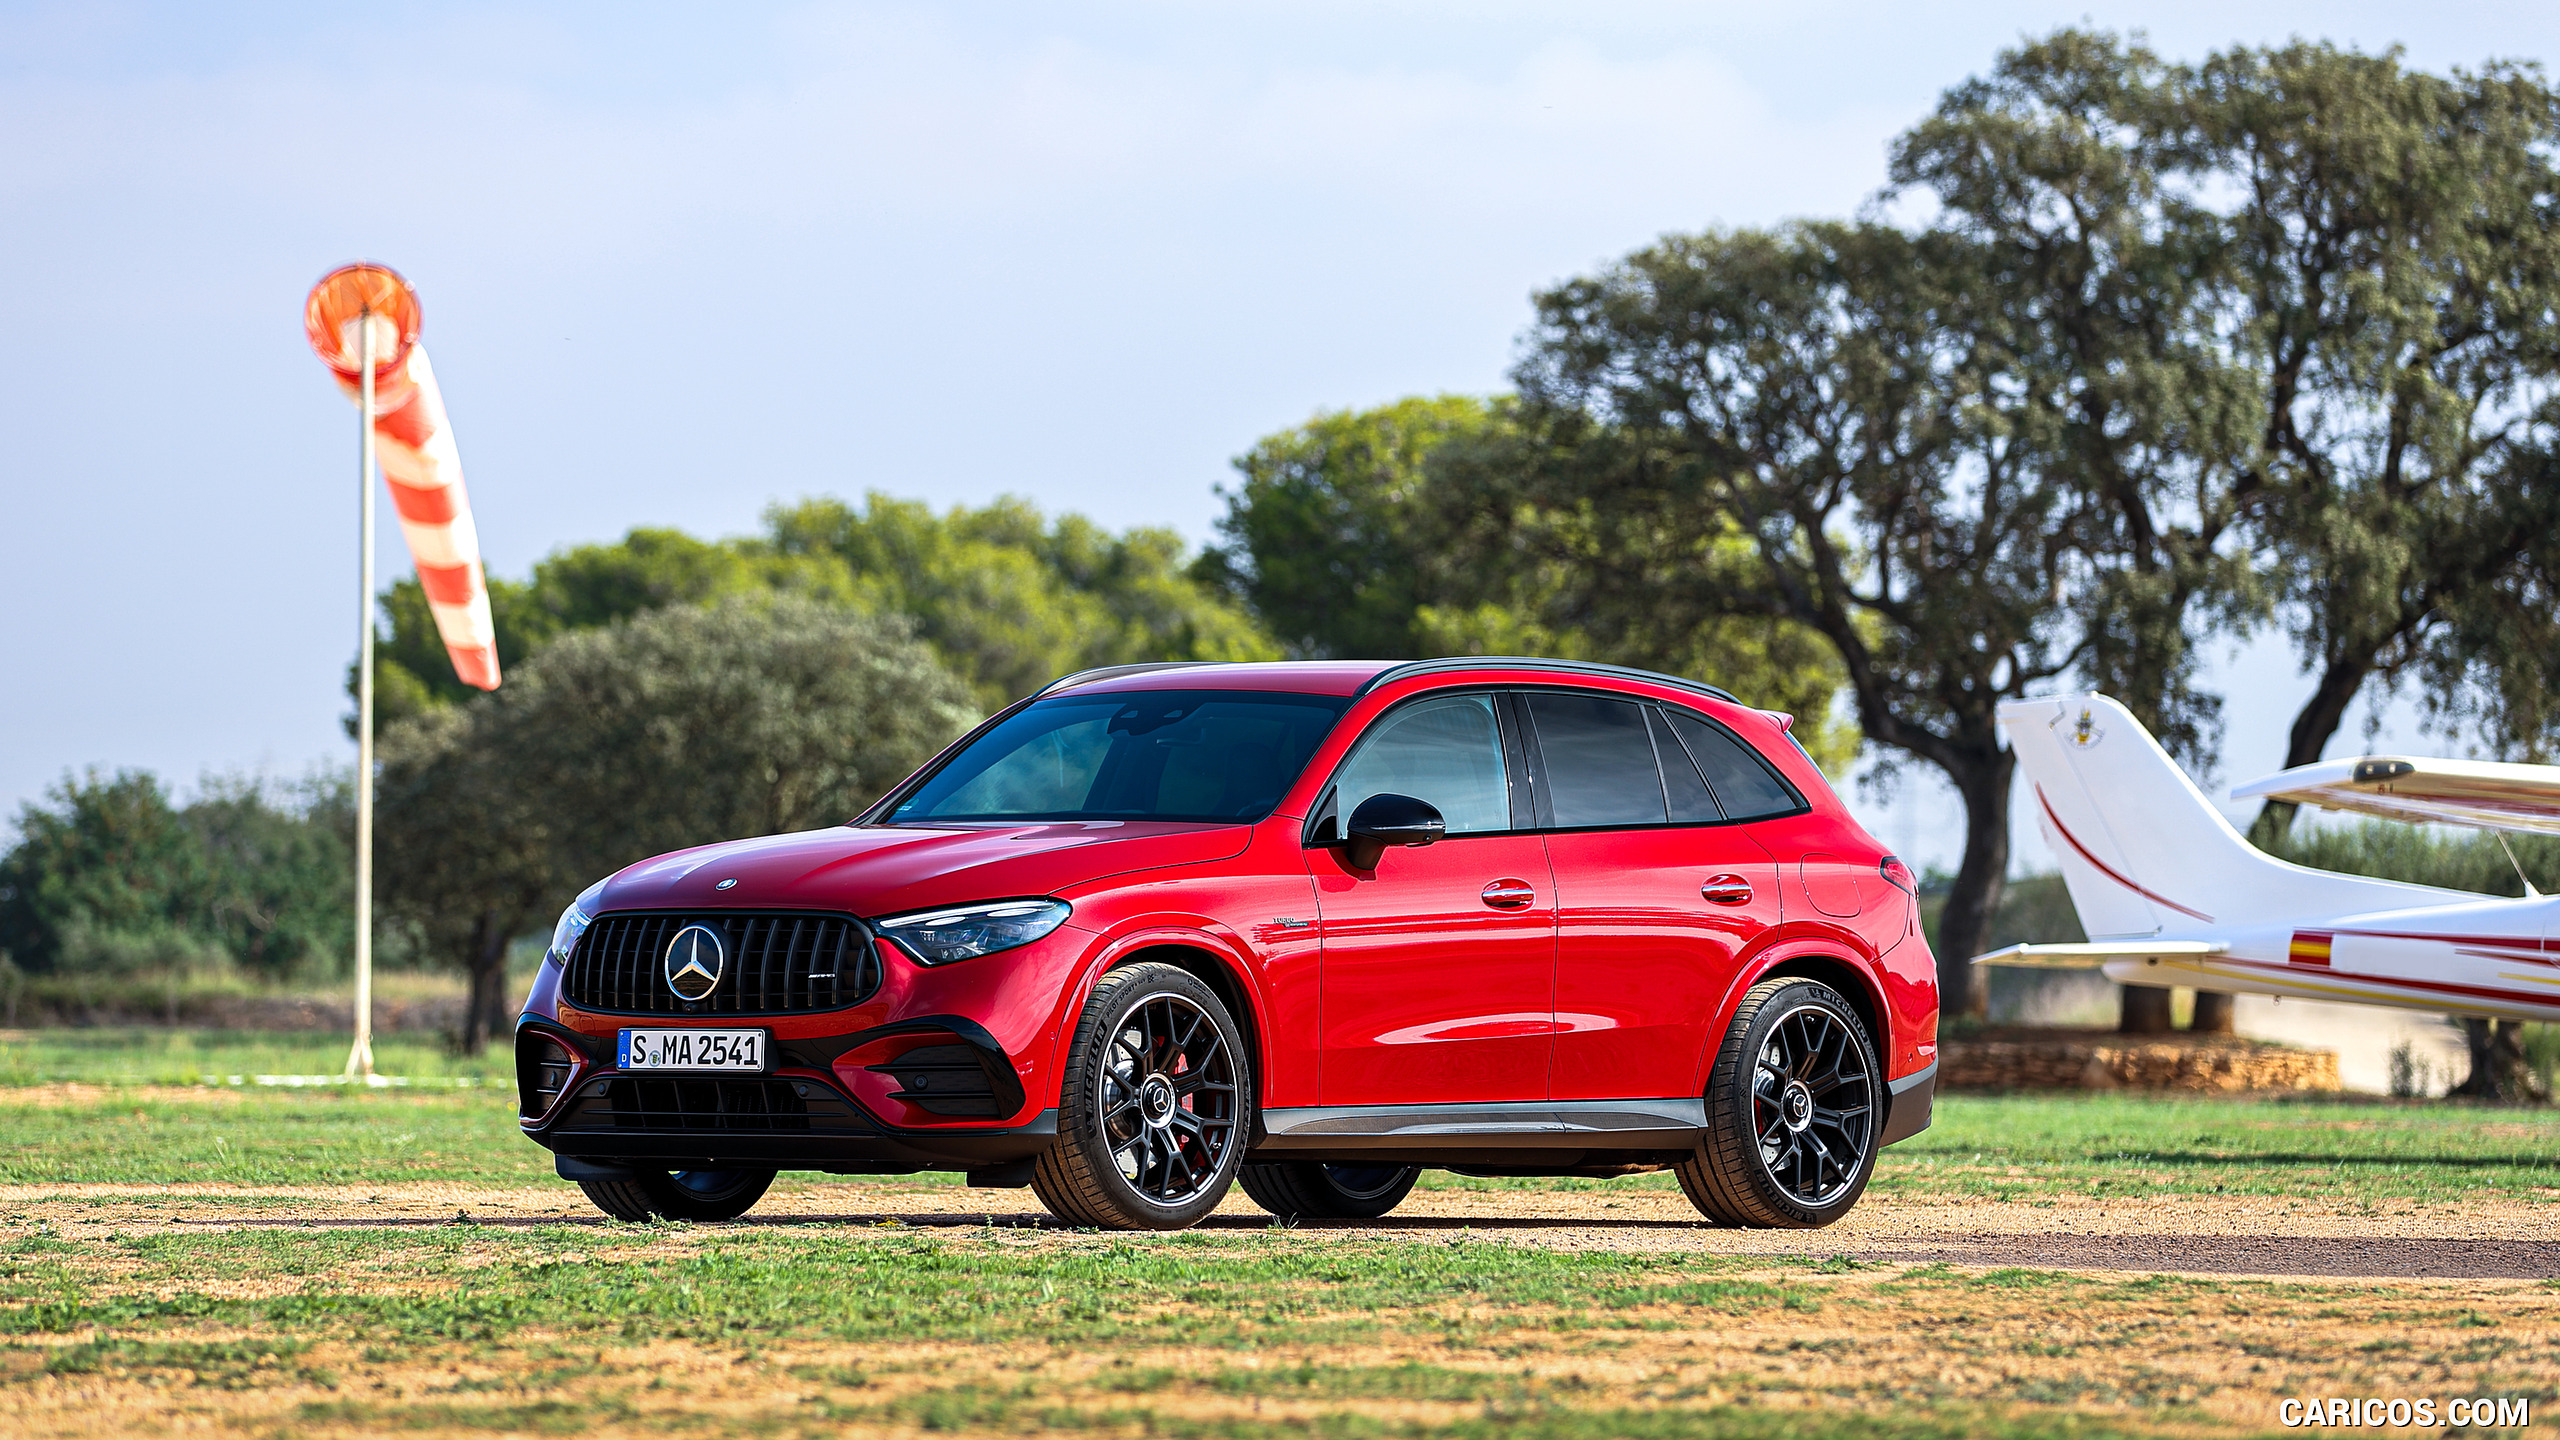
{"x":1898,"y":875}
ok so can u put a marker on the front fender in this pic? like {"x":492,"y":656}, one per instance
{"x":1231,"y":952}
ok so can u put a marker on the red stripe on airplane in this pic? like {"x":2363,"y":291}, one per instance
{"x":2103,"y":867}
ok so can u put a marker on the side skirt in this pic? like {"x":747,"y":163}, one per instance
{"x":1484,"y":1133}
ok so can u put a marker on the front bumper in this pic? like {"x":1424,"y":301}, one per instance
{"x":800,"y":1116}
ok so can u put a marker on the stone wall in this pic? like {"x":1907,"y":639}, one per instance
{"x":2020,"y":1058}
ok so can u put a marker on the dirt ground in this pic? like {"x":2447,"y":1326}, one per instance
{"x":2479,"y":1239}
{"x":2348,"y":1299}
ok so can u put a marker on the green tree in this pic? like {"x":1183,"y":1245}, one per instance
{"x":111,"y":874}
{"x":1408,"y":531}
{"x":2285,"y":321}
{"x":2299,"y":295}
{"x":1010,"y":598}
{"x":1821,"y":392}
{"x":2097,"y":292}
{"x":2495,"y":671}
{"x":1328,"y":538}
{"x":749,"y":717}
{"x":2186,"y":345}
{"x":278,"y":873}
{"x":581,"y":588}
{"x":105,"y":855}
{"x":2393,"y":278}
{"x":2094,"y":292}
{"x":676,"y":727}
{"x":463,"y":857}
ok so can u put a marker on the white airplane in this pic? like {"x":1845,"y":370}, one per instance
{"x":2170,"y":894}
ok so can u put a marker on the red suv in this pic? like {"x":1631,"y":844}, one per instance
{"x":1313,"y":926}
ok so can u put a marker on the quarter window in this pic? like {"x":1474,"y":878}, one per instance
{"x":1691,"y":801}
{"x":1745,"y":786}
{"x":1447,"y":751}
{"x":1598,"y":759}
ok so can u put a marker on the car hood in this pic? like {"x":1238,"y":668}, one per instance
{"x":883,"y":870}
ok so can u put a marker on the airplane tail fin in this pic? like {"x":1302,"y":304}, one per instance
{"x":2142,"y":851}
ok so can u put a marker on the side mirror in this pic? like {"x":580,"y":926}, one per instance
{"x":1384,"y":820}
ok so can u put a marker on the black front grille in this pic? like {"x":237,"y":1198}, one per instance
{"x":752,"y":1104}
{"x":775,"y":964}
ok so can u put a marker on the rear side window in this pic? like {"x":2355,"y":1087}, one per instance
{"x":1743,"y":782}
{"x":1599,"y":761}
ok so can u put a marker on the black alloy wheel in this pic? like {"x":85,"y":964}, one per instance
{"x":1151,"y":1106}
{"x":1314,"y":1190}
{"x":1793,"y":1111}
{"x":701,"y":1195}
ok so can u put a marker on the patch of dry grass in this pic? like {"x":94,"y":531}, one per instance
{"x":869,"y":1330}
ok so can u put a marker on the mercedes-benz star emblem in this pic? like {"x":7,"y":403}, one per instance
{"x":695,"y":962}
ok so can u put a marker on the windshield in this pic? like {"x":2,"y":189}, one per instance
{"x":1221,"y":755}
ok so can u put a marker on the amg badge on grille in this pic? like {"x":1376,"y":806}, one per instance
{"x":694,"y":963}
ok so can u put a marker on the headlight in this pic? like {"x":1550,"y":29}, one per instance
{"x":937,"y":937}
{"x":573,"y":923}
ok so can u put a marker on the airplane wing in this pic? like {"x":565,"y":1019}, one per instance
{"x":2090,"y":957}
{"x":2483,"y":794}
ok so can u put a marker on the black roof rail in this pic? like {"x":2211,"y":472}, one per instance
{"x":1532,"y":662}
{"x":1113,"y":672}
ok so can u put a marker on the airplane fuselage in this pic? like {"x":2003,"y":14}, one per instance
{"x":2482,"y":957}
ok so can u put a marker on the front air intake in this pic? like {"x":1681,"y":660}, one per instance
{"x":783,"y":963}
{"x":543,"y":1068}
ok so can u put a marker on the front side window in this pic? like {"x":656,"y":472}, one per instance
{"x":1598,"y":757}
{"x":1446,"y":751}
{"x":1209,"y":755}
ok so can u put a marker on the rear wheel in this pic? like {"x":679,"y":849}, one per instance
{"x":1151,"y":1107}
{"x":1317,"y":1191}
{"x":1793,"y":1111}
{"x":680,"y":1194}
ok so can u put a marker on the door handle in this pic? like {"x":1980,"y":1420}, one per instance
{"x":1510,"y":895}
{"x":1726,"y":890}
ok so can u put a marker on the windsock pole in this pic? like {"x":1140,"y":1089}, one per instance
{"x":405,"y":434}
{"x":360,"y":1058}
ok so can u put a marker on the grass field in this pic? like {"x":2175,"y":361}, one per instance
{"x":186,"y":1256}
{"x":190,"y":1057}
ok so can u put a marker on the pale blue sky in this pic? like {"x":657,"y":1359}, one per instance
{"x":680,"y":261}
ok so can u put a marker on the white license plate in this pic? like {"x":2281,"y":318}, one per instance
{"x":692,"y":1050}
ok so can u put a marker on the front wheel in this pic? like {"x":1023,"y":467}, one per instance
{"x":1313,"y":1190}
{"x":1793,"y":1111}
{"x":1152,"y":1106}
{"x":680,"y":1194}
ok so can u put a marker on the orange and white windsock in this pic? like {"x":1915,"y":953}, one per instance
{"x":414,"y":440}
